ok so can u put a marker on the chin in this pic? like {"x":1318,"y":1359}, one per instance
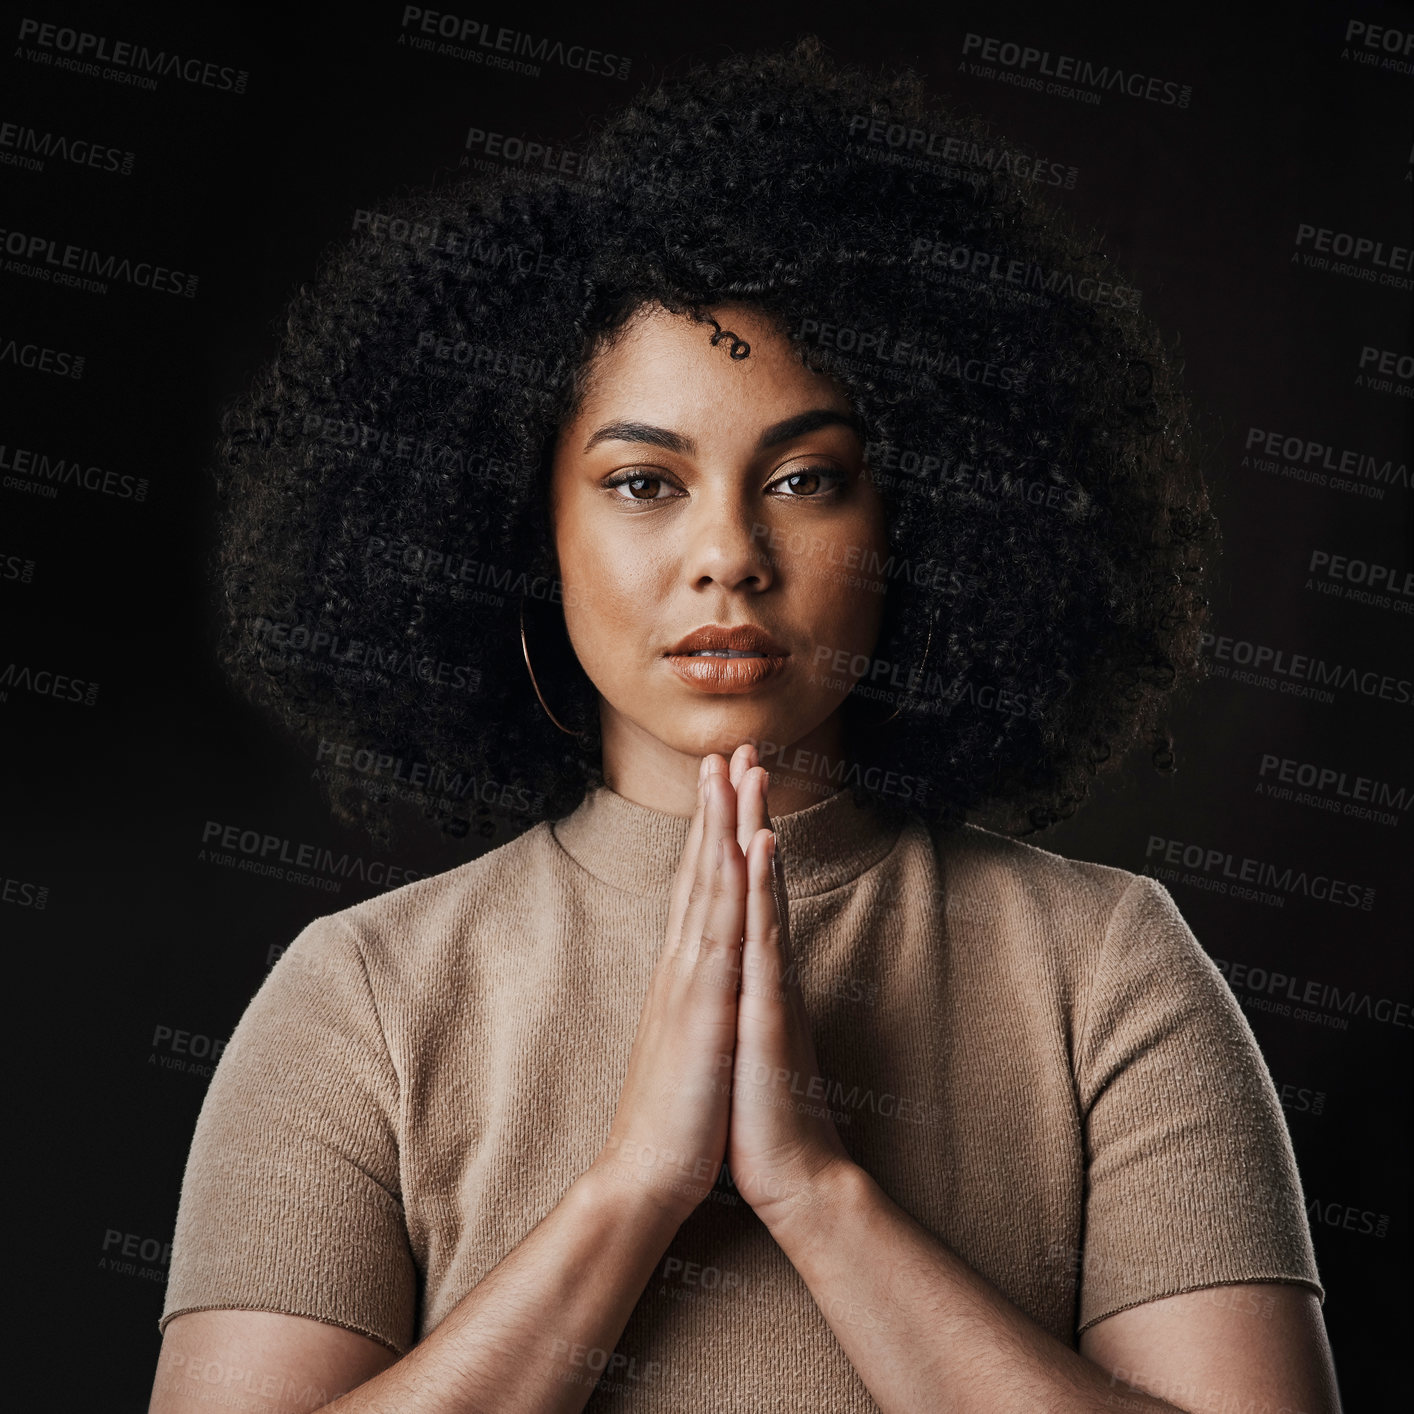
{"x":723,"y":724}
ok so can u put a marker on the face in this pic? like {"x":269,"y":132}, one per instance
{"x":693,"y":494}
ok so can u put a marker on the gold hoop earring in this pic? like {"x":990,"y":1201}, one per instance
{"x":540,"y":697}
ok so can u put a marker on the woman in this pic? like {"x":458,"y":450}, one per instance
{"x":835,"y":505}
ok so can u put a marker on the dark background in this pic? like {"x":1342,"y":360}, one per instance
{"x":139,"y":955}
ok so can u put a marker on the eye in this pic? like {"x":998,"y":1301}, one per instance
{"x":808,"y":482}
{"x":637,"y":482}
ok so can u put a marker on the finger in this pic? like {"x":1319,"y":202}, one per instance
{"x":743,"y":759}
{"x":751,"y":806}
{"x":699,"y":820}
{"x":773,"y":955}
{"x":719,"y":823}
{"x":719,"y":765}
{"x":687,"y":864}
{"x":762,"y":964}
{"x":699,"y":815}
{"x":719,"y":948}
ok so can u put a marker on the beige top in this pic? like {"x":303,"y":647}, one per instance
{"x":1031,"y":1055}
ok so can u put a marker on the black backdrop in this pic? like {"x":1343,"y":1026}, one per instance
{"x":1260,"y":196}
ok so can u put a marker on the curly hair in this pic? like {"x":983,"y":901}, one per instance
{"x":384,"y":478}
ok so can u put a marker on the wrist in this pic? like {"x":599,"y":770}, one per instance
{"x":634,"y":1195}
{"x":833,"y":1198}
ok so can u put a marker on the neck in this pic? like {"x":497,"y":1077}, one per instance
{"x":646,"y":770}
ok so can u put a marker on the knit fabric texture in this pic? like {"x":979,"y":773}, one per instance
{"x":1031,"y":1055}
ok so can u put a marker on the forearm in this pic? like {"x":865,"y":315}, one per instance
{"x":540,"y":1328}
{"x":923,"y":1330}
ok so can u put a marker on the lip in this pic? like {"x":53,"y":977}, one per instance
{"x":746,"y":638}
{"x":717,"y":675}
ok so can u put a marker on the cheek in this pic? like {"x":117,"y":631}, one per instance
{"x":850,"y":613}
{"x":599,"y":577}
{"x":608,"y":593}
{"x":844,"y":587}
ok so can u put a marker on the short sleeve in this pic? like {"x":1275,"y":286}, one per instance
{"x":291,"y":1199}
{"x":1190,"y":1176}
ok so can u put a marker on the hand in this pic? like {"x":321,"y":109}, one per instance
{"x":668,"y":1136}
{"x":778,"y":1146}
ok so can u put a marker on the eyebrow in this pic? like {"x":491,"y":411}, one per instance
{"x":792,"y":427}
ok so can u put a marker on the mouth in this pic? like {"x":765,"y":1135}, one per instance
{"x":718,"y":659}
{"x":723,"y":641}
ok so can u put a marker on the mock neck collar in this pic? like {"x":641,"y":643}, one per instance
{"x":636,"y":849}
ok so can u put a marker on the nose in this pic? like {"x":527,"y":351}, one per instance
{"x":727,"y":544}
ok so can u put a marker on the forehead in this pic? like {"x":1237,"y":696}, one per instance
{"x":665,"y":365}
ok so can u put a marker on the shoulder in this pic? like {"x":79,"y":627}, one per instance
{"x":1032,"y":913}
{"x":1113,"y":941}
{"x":987,"y":870}
{"x":440,"y":911}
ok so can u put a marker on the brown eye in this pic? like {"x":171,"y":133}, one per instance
{"x":809,"y":482}
{"x":640,"y":488}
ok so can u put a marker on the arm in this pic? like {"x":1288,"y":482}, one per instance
{"x":534,"y":1335}
{"x":310,"y":1229}
{"x":926,"y":1332}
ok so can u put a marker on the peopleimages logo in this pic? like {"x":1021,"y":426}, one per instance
{"x":1312,"y":460}
{"x":260,"y":852}
{"x":507,"y":259}
{"x":1312,"y":992}
{"x":509,"y":149}
{"x":961,"y":153}
{"x":43,"y":682}
{"x":463,"y":38}
{"x":1067,"y":69}
{"x":1361,"y":581}
{"x":1385,"y":371}
{"x":1023,"y":278}
{"x":1379,"y":46}
{"x":1357,"y":256}
{"x":41,"y":358}
{"x":1327,"y":788}
{"x":1298,"y":674}
{"x":1223,"y":865}
{"x":423,"y":780}
{"x":51,"y":472}
{"x":83,"y":51}
{"x":29,"y":148}
{"x":43,"y":258}
{"x":882,"y":346}
{"x":302,"y":641}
